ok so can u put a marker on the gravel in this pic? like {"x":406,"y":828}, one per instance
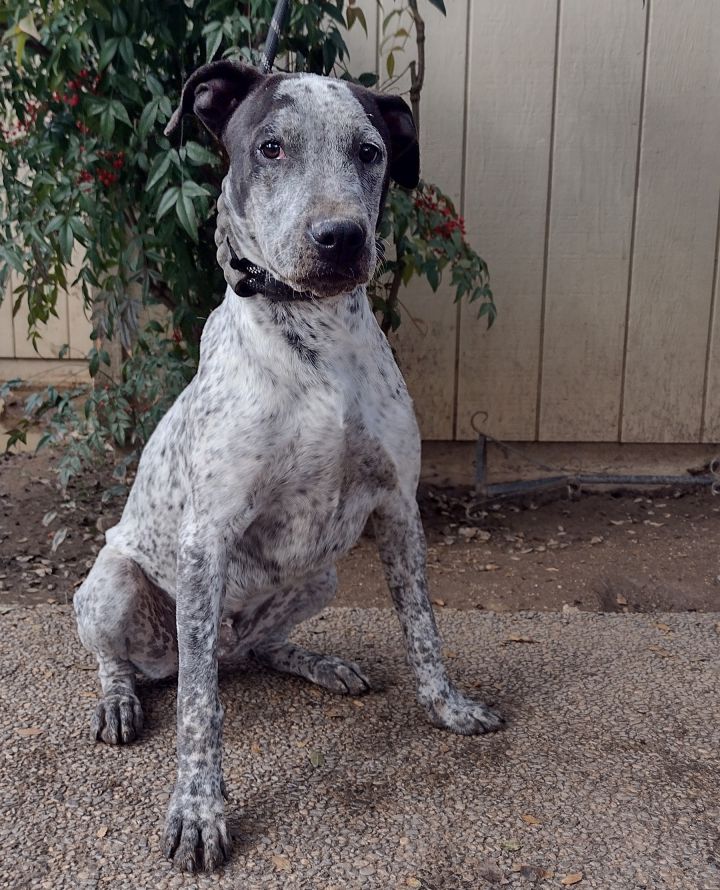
{"x":608,"y":773}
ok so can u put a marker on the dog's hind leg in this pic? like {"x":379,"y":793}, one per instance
{"x":273,"y":620}
{"x":128,"y":624}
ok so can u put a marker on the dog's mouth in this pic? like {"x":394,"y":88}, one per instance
{"x":329,"y":281}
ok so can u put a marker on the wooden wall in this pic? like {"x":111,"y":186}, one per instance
{"x":581,"y":140}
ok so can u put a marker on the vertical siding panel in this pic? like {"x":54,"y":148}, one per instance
{"x":711,"y":405}
{"x":599,"y":84}
{"x":425,"y":342}
{"x":510,"y":98}
{"x":676,"y":225}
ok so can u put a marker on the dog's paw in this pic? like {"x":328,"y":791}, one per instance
{"x":117,"y":719}
{"x":462,"y":715}
{"x":196,"y":836}
{"x":344,"y":677}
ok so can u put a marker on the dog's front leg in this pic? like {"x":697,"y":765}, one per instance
{"x":195,"y":832}
{"x":401,"y":542}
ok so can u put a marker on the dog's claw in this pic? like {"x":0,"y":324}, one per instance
{"x":117,"y":719}
{"x":463,"y":715}
{"x":343,"y":677}
{"x":196,"y":836}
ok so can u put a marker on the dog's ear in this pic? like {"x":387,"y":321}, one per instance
{"x":212,"y":93}
{"x":404,"y":147}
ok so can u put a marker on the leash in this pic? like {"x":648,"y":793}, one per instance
{"x":277,"y":24}
{"x":244,"y":277}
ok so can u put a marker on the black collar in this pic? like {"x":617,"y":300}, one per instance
{"x":257,"y":280}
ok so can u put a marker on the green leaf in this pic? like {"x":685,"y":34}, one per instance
{"x":107,"y":53}
{"x":213,"y":38}
{"x":119,"y":112}
{"x":439,"y":4}
{"x":81,"y":230}
{"x":11,"y":257}
{"x":167,"y":202}
{"x":54,"y":224}
{"x":186,"y":214}
{"x":147,"y":119}
{"x":192,"y":190}
{"x":119,"y":20}
{"x":197,"y":154}
{"x":107,"y":124}
{"x":67,"y":239}
{"x":127,"y":51}
{"x":154,"y":85}
{"x":159,"y":168}
{"x":390,"y":64}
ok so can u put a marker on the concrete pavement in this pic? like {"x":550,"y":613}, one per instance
{"x":607,"y":776}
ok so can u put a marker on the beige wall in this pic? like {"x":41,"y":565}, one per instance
{"x":581,"y":141}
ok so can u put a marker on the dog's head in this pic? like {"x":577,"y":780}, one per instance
{"x":310,"y":161}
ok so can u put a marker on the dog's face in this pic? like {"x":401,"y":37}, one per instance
{"x":310,"y":160}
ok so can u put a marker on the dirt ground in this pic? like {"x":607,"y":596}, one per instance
{"x":599,"y":552}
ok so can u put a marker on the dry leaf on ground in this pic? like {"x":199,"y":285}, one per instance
{"x":102,"y":831}
{"x":516,"y":638}
{"x":28,"y":731}
{"x":570,"y":880}
{"x":663,"y":653}
{"x":436,"y":601}
{"x":282,"y":863}
{"x":530,"y":820}
{"x":316,"y":758}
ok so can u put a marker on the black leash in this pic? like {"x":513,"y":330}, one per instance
{"x":277,"y":24}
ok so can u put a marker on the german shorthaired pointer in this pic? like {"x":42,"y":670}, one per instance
{"x":297,"y":428}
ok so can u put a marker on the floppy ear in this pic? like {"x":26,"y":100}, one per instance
{"x":404,"y":148}
{"x":213,"y":92}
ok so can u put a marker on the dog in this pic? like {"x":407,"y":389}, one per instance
{"x":296,"y":430}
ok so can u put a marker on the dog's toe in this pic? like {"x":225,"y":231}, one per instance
{"x":343,"y":677}
{"x":117,"y":719}
{"x":196,"y":837}
{"x":462,"y":715}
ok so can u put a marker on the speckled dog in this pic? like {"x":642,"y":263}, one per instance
{"x":297,"y":428}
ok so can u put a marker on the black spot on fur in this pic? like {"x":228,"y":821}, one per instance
{"x":305,"y":352}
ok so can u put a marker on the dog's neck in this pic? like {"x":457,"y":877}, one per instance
{"x":245,"y":277}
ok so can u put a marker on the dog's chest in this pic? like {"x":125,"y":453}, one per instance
{"x":324,"y":480}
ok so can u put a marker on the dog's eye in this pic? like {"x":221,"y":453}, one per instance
{"x":368,"y":153}
{"x":272,"y":150}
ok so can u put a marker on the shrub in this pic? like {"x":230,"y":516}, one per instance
{"x":87,"y":175}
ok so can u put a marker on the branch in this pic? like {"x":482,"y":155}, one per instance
{"x":417,"y":71}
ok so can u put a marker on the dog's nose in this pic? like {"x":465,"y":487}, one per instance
{"x":338,"y":240}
